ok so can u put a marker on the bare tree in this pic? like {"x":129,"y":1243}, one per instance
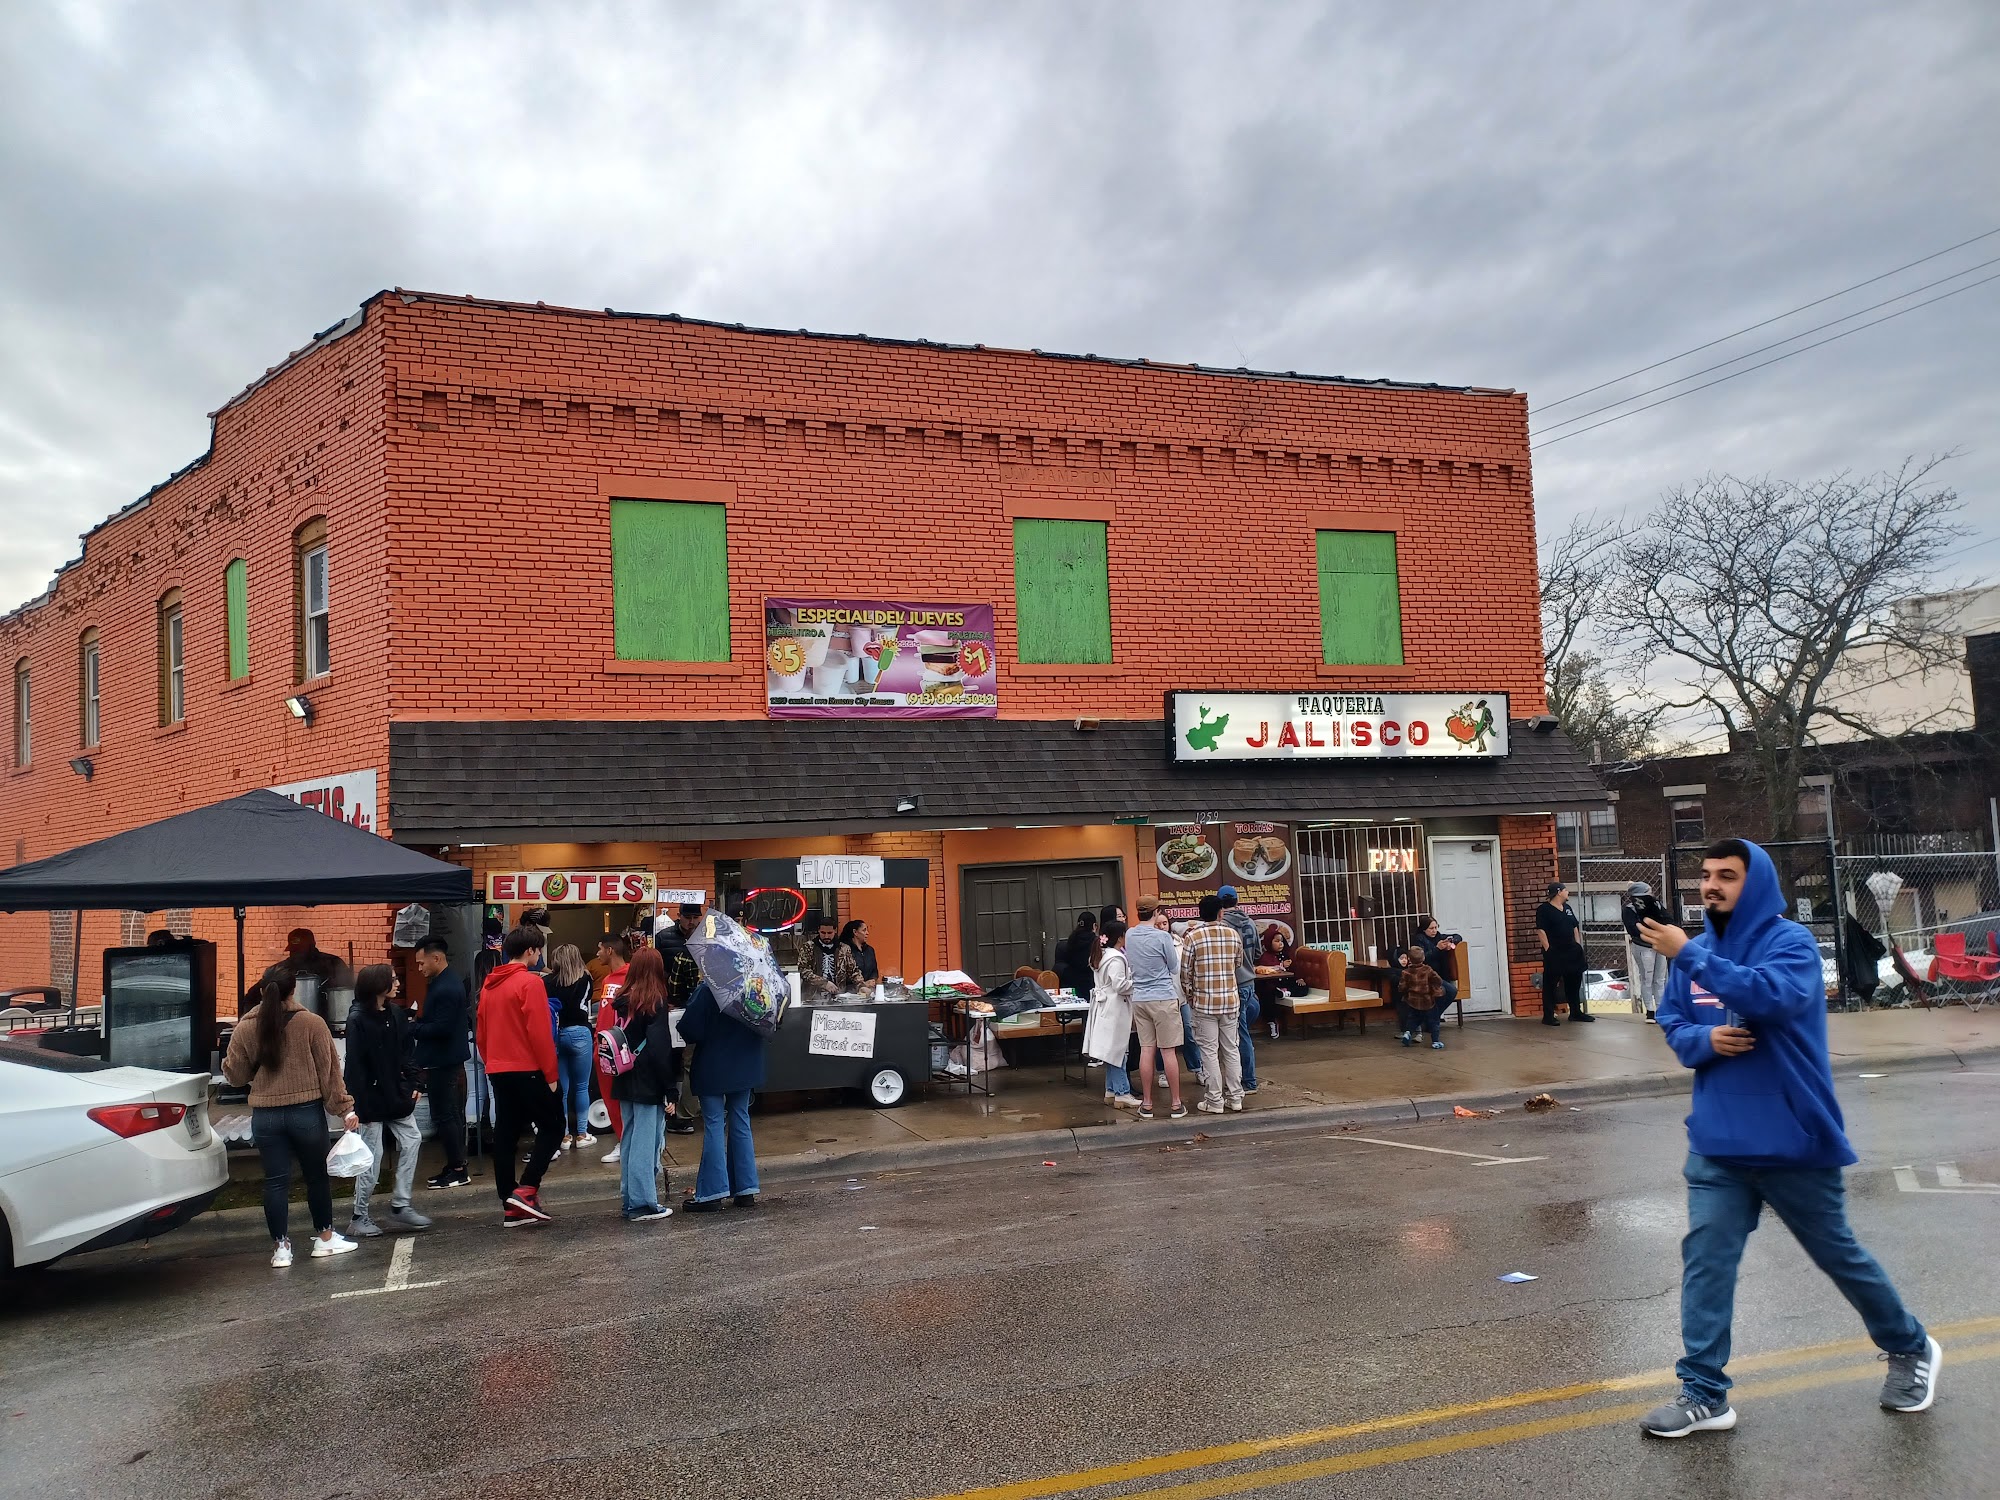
{"x":1755,"y":593}
{"x":1579,"y":569}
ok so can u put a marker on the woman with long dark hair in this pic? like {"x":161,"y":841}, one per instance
{"x":1076,"y":955}
{"x":569,"y":987}
{"x":381,"y":1073}
{"x":285,"y":1054}
{"x":855,"y":935}
{"x":647,"y":1089}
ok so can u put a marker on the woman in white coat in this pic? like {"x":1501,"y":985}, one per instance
{"x":1109,"y":1029}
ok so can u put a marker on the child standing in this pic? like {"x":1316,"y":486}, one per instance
{"x":1422,"y":999}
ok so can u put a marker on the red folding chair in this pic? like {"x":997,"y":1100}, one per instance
{"x":1973,"y":979}
{"x":1918,"y":985}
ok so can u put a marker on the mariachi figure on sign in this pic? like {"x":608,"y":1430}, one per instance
{"x":1471,"y":724}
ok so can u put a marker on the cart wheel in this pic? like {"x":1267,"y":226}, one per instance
{"x":887,"y":1088}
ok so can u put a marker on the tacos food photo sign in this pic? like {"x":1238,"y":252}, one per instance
{"x":879,"y":659}
{"x":1337,"y":726}
{"x":1198,"y":859}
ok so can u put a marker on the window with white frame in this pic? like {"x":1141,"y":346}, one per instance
{"x":1602,"y":823}
{"x":312,"y":588}
{"x":87,"y":686}
{"x":1689,"y":826}
{"x":1568,"y":827}
{"x":173,"y":660}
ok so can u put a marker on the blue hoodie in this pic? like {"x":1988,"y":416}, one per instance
{"x":1774,"y":1106}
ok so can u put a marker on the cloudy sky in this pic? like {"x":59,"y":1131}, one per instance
{"x":1536,"y":196}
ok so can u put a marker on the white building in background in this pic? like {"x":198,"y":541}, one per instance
{"x":1893,"y":692}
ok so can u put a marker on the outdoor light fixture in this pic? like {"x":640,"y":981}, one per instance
{"x":301,"y":708}
{"x":911,"y":803}
{"x":84,"y":767}
{"x":1086,"y":726}
{"x":1543,"y":724}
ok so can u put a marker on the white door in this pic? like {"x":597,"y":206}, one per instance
{"x":1465,"y":892}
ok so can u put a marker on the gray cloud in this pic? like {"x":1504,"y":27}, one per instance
{"x":1538,"y":197}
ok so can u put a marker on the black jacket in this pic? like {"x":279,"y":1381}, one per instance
{"x":442,"y":1031}
{"x":655,"y":1077}
{"x":864,"y":955}
{"x":1443,"y":962}
{"x":1644,"y":909}
{"x":572,"y":1001}
{"x":381,"y":1068}
{"x":683,"y":973}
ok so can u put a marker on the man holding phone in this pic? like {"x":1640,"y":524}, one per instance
{"x":1745,"y":1008}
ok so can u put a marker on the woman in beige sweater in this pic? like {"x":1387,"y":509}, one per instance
{"x":285,"y":1054}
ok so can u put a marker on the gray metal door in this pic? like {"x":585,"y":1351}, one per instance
{"x":1013,"y":915}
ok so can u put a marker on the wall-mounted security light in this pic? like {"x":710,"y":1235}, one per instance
{"x":1543,"y":724}
{"x":912,"y":803}
{"x":300,"y":708}
{"x":84,"y":767}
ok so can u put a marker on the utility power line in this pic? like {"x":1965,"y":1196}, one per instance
{"x":1803,"y":306}
{"x":1763,"y":348}
{"x":1776,"y":359}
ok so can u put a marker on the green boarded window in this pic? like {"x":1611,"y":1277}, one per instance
{"x":236,"y":609}
{"x":1062,"y":591}
{"x":670,"y":580}
{"x":1360,"y":609}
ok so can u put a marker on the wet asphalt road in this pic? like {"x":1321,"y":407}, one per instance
{"x":926,"y":1334}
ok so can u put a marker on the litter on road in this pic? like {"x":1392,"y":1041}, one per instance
{"x":1517,"y":1277}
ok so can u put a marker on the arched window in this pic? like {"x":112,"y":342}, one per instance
{"x":173,"y":659}
{"x":23,"y":740}
{"x":88,"y":676}
{"x":312,"y":654}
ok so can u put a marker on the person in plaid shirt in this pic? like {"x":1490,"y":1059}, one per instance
{"x":1208,"y":976}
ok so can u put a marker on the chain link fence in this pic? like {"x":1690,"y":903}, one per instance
{"x":1924,"y":919}
{"x":1598,"y":896}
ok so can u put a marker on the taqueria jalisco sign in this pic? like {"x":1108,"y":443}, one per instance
{"x":1337,"y":726}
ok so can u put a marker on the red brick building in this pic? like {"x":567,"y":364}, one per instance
{"x":513,"y":565}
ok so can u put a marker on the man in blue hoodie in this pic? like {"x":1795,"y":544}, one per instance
{"x":1745,"y":1007}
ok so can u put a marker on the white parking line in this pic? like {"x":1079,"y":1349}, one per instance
{"x":1949,"y":1179}
{"x":399,"y":1274}
{"x":1480,"y":1158}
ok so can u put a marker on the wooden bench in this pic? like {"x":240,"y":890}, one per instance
{"x":1325,"y":972}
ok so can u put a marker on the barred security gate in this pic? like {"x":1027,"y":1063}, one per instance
{"x":1363,"y":886}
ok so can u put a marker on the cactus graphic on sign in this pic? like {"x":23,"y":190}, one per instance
{"x":1205,"y":734}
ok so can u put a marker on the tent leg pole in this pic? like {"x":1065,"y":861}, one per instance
{"x":76,"y":968}
{"x":241,"y":988}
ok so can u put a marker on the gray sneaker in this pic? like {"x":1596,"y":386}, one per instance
{"x":1684,"y":1415}
{"x":364,"y":1229}
{"x":1912,"y":1381}
{"x":407,"y":1217}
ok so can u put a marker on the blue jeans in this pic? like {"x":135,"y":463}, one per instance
{"x":575,"y":1057}
{"x":1116,"y":1079}
{"x":639,"y":1156}
{"x":1247,"y":1011}
{"x":728,"y":1155}
{"x":1723,"y":1203}
{"x":1190,"y":1051}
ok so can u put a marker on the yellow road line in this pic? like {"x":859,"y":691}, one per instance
{"x":1222,"y":1453}
{"x":1493,"y":1437}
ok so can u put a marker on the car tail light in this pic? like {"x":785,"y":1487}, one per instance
{"x":129,"y":1120}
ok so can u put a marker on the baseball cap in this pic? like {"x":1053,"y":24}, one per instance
{"x":1227,"y":893}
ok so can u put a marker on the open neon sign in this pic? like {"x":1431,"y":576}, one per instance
{"x":773,"y":908}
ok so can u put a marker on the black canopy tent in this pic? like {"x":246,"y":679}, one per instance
{"x":259,"y":849}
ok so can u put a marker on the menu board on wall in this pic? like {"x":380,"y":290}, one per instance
{"x":878,"y":659}
{"x":1197,"y":859}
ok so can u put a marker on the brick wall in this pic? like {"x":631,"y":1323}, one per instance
{"x":464,"y":454}
{"x":1527,"y":866}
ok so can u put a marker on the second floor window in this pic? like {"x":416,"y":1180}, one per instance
{"x":1690,"y":828}
{"x":1603,"y":825}
{"x":1360,"y":599}
{"x":1568,"y":825}
{"x":173,"y":660}
{"x":236,"y":615}
{"x":1062,"y":592}
{"x":669,"y":580}
{"x":312,"y":566}
{"x":87,"y":685}
{"x":23,"y":738}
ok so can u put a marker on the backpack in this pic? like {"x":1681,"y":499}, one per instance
{"x":616,"y":1055}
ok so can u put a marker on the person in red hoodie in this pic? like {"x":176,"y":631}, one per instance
{"x":618,"y":952}
{"x":518,"y":1048}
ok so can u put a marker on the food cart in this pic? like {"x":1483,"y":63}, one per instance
{"x":878,"y":1043}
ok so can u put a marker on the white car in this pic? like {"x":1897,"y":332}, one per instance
{"x":94,"y":1155}
{"x":1605,"y":984}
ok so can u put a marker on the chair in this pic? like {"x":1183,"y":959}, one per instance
{"x":1918,"y":985}
{"x":1974,"y":978}
{"x":1049,"y":980}
{"x":1027,"y":971}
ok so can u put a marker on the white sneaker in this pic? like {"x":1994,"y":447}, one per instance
{"x":1209,"y":1109}
{"x":334,"y":1244}
{"x":1236,"y":1106}
{"x":610,"y":1158}
{"x":585,"y":1140}
{"x":1109,"y":1097}
{"x":281,"y":1254}
{"x":1126,"y":1101}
